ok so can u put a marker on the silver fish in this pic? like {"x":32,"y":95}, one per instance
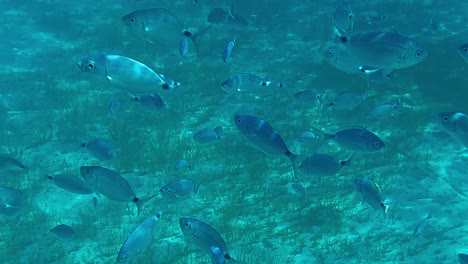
{"x":463,"y":51}
{"x":183,"y":46}
{"x":217,"y":256}
{"x":421,"y":226}
{"x":114,"y":106}
{"x":263,"y":136}
{"x":224,"y":17}
{"x":322,"y":165}
{"x":307,"y":96}
{"x":208,"y":135}
{"x":346,"y":101}
{"x":202,"y":235}
{"x":139,"y":239}
{"x":250,"y":83}
{"x":11,"y":201}
{"x":463,"y":258}
{"x":9,"y":164}
{"x":178,"y":190}
{"x":111,"y":184}
{"x":151,"y":103}
{"x":384,"y":49}
{"x":371,"y":193}
{"x":355,"y":139}
{"x":307,"y":136}
{"x":124,"y":72}
{"x":228,"y":50}
{"x":385,"y":110}
{"x":456,"y":125}
{"x":157,"y":24}
{"x":343,"y":19}
{"x":100,"y":149}
{"x":343,"y":60}
{"x":62,"y":231}
{"x":180,"y":164}
{"x":71,"y":183}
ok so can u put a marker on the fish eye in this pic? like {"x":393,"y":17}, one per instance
{"x":91,"y":65}
{"x":264,"y":84}
{"x":377,"y":144}
{"x":132,"y":20}
{"x":168,"y":191}
{"x":238,"y":120}
{"x":419,"y":53}
{"x":445,"y":118}
{"x":229,"y":84}
{"x":330,"y":52}
{"x":350,"y":17}
{"x":465,"y":49}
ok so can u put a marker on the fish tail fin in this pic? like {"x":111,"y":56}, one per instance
{"x":349,"y":161}
{"x":140,"y":201}
{"x":195,"y":37}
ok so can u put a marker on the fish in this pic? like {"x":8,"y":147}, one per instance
{"x":181,"y":164}
{"x":343,"y":60}
{"x":346,"y":101}
{"x":228,"y":49}
{"x":208,"y":135}
{"x":139,"y":239}
{"x":343,"y":19}
{"x":151,"y":103}
{"x":463,"y":51}
{"x":372,"y":17}
{"x":224,"y":17}
{"x":456,"y":125}
{"x":157,"y":24}
{"x":114,"y":106}
{"x":371,"y":193}
{"x":421,"y":226}
{"x":307,"y":96}
{"x":112,"y":185}
{"x":307,"y":136}
{"x":63,"y":231}
{"x":180,"y":189}
{"x":385,"y":110}
{"x":384,"y":49}
{"x":355,"y":139}
{"x":100,"y":149}
{"x":203,"y":236}
{"x":463,"y":258}
{"x":217,"y":256}
{"x":298,"y":189}
{"x":183,"y":46}
{"x":71,"y":183}
{"x":125,"y":72}
{"x":263,"y":136}
{"x":11,"y":201}
{"x":322,"y":165}
{"x":10,"y":165}
{"x":250,"y":83}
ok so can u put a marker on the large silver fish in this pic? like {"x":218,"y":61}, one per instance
{"x":159,"y":24}
{"x":9,"y":164}
{"x":456,"y":125}
{"x":371,"y":193}
{"x":125,"y":72}
{"x":355,"y":139}
{"x":342,"y":59}
{"x":202,"y":235}
{"x":343,"y":19}
{"x":250,"y":83}
{"x":178,"y":190}
{"x":384,"y":49}
{"x":263,"y":136}
{"x":111,"y":184}
{"x":11,"y":201}
{"x":139,"y":239}
{"x":321,"y":165}
{"x":100,"y":149}
{"x":71,"y":183}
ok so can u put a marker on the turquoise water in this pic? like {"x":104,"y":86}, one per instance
{"x":49,"y":107}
